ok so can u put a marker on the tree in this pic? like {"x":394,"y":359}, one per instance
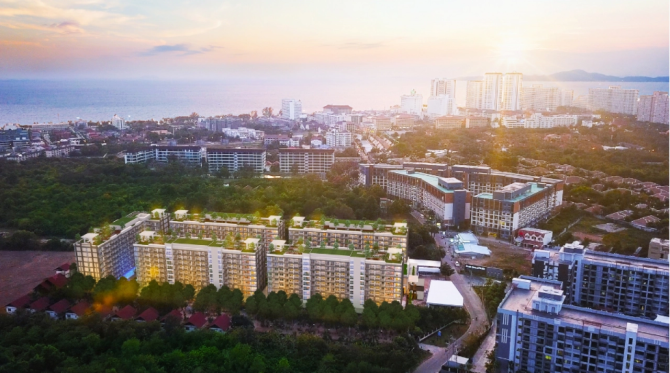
{"x":446,"y":270}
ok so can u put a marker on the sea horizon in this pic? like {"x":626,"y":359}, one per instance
{"x":27,"y":101}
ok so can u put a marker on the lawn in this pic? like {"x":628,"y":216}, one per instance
{"x":449,"y":334}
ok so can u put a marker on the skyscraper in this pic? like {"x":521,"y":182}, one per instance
{"x":493,"y":85}
{"x":291,"y":109}
{"x":474,"y":94}
{"x":443,"y":87}
{"x":511,"y":91}
{"x":440,"y":105}
{"x":653,"y":108}
{"x":118,"y":122}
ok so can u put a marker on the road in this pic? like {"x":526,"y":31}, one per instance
{"x":479,"y":360}
{"x":474,"y":306}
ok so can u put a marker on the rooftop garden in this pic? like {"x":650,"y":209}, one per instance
{"x":125,"y":220}
{"x":225,"y":217}
{"x":363,"y":225}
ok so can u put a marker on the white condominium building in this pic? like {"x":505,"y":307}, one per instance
{"x":614,"y":100}
{"x":236,"y":159}
{"x":538,"y":120}
{"x":412,"y":103}
{"x":440,"y":105}
{"x":306,"y":161}
{"x":653,"y":108}
{"x":108,"y":251}
{"x":443,"y":87}
{"x":118,"y":122}
{"x":539,"y":98}
{"x":493,"y":90}
{"x":475,"y":94}
{"x":337,"y":139}
{"x":511,"y":92}
{"x":291,"y":109}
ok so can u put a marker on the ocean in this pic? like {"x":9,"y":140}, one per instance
{"x":30,"y":101}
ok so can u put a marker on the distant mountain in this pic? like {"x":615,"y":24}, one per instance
{"x":583,"y":76}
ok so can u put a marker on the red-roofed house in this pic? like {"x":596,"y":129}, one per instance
{"x":54,"y":282}
{"x":63,"y":269}
{"x":619,"y":215}
{"x":22,"y":302}
{"x":196,"y":321}
{"x":77,"y":311}
{"x":125,"y":313}
{"x":533,"y":238}
{"x":220,"y":324}
{"x":39,"y":305}
{"x":641,"y":223}
{"x":173,"y":315}
{"x":57,"y":309}
{"x":149,"y":315}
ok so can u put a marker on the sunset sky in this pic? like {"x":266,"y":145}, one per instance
{"x":119,"y":39}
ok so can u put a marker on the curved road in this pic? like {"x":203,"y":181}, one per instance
{"x":474,"y":306}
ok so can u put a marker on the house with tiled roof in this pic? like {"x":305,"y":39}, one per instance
{"x":619,"y":215}
{"x":220,"y":324}
{"x":58,"y":309}
{"x":125,"y":313}
{"x":196,"y":321}
{"x":17,"y":304}
{"x":149,"y":315}
{"x":641,"y":223}
{"x":39,"y":305}
{"x":173,"y":315}
{"x":54,"y":282}
{"x":77,"y":311}
{"x":63,"y":269}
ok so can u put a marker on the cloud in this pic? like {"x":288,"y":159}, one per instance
{"x":355,"y":44}
{"x":67,"y":27}
{"x":181,"y":49}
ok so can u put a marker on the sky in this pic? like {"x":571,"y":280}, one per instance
{"x":293,"y":39}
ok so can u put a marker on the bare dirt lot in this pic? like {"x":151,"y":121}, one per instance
{"x":504,"y":256}
{"x":21,"y":271}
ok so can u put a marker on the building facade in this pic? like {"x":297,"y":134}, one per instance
{"x":450,"y":122}
{"x":440,"y":105}
{"x":658,"y":249}
{"x":235,"y":159}
{"x":412,"y":103}
{"x":443,"y":87}
{"x":511,"y":91}
{"x":474,"y":94}
{"x":306,"y":161}
{"x":444,"y":196}
{"x":604,"y":281}
{"x":537,"y":332}
{"x":375,"y":174}
{"x":614,"y":100}
{"x":291,"y":109}
{"x":108,"y":251}
{"x":492,"y":91}
{"x":337,"y":139}
{"x":509,"y":208}
{"x":653,"y":108}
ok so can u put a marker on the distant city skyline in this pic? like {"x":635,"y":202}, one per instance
{"x":92,"y":39}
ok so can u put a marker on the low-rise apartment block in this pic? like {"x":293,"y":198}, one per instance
{"x":450,"y":121}
{"x":509,"y":208}
{"x":605,"y":281}
{"x":236,"y":159}
{"x":538,"y":332}
{"x":375,"y":174}
{"x":380,"y":123}
{"x":306,"y":161}
{"x":189,"y":155}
